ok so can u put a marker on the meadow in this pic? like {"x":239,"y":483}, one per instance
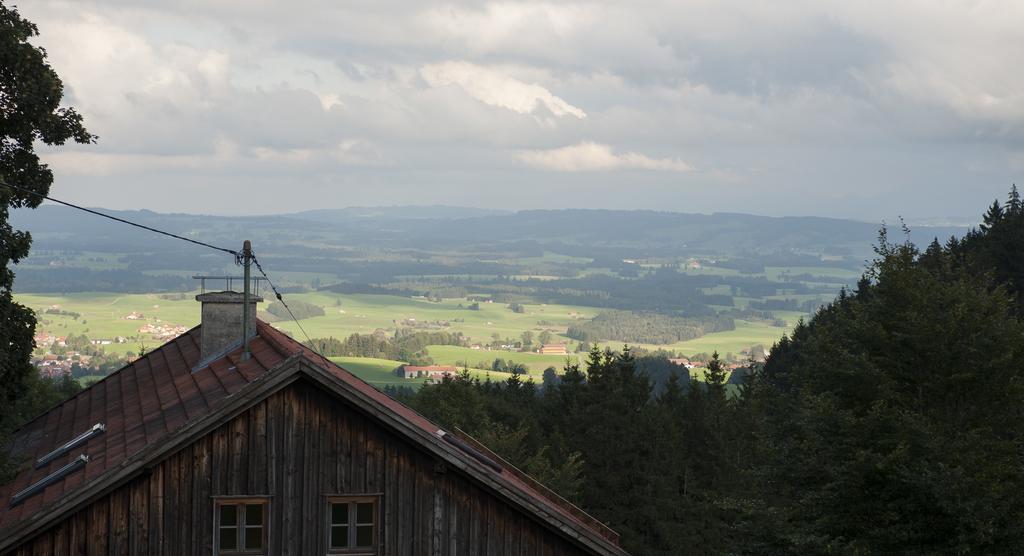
{"x":456,"y":355}
{"x":381,"y":372}
{"x":364,"y":313}
{"x":102,"y":316}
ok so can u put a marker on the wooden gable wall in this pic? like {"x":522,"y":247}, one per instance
{"x":297,"y":446}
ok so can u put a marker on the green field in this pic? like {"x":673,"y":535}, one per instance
{"x":791,"y":317}
{"x":364,"y":313}
{"x":548,"y":258}
{"x":747,"y":334}
{"x":842,"y":274}
{"x":88,"y":380}
{"x":102,"y":316}
{"x":379,"y":372}
{"x":452,"y":355}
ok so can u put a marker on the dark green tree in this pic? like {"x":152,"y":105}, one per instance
{"x":1014,"y":205}
{"x":545,"y":337}
{"x":992,"y":216}
{"x":891,"y":421}
{"x":30,"y":112}
{"x":38,"y":393}
{"x":997,"y":248}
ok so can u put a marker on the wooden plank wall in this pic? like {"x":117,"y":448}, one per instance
{"x":297,"y":446}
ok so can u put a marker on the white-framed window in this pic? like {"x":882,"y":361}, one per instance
{"x":353,"y":524}
{"x":240,"y":525}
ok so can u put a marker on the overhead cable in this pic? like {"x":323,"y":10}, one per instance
{"x":280,"y":298}
{"x":233,"y":252}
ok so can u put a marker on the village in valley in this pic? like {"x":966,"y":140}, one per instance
{"x":83,"y":357}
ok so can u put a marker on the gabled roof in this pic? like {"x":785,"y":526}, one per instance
{"x":157,"y":404}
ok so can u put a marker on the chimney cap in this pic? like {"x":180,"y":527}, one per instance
{"x":226,"y":297}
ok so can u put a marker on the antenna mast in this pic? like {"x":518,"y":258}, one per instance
{"x":246,"y":263}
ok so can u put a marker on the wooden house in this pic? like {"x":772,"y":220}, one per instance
{"x":197,"y":449}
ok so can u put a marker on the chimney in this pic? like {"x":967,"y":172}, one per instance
{"x":221,"y":329}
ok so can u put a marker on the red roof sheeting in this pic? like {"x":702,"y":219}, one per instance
{"x":157,"y":394}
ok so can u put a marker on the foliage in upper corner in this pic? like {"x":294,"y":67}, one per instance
{"x":30,"y":111}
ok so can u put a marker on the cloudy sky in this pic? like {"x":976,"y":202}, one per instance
{"x":863,"y":109}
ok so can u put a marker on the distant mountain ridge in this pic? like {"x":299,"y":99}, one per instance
{"x":617,"y":232}
{"x":425,"y":212}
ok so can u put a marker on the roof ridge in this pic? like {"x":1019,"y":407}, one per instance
{"x":552,"y":497}
{"x":279,"y":341}
{"x":274,"y":337}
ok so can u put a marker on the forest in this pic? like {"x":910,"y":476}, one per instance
{"x":646,"y":327}
{"x":890,"y":422}
{"x":296,"y":309}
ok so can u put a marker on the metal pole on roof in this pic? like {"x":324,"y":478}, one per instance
{"x":246,"y":263}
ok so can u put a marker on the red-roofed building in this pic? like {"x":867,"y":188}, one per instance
{"x":554,"y":349}
{"x":197,"y":449}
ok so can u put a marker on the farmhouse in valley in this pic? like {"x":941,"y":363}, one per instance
{"x":436,"y":372}
{"x":202,"y":447}
{"x":554,"y":349}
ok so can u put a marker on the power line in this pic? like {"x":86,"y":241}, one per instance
{"x":236,"y":254}
{"x":282,"y":299}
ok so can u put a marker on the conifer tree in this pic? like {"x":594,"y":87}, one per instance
{"x":997,"y":248}
{"x":1014,"y":206}
{"x":992,"y":216}
{"x":894,"y":425}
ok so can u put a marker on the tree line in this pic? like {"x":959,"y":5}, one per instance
{"x":300,"y":309}
{"x":76,"y":279}
{"x":403,"y":345}
{"x":647,"y":327}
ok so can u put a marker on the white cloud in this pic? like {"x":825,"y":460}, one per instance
{"x":596,"y":157}
{"x":497,"y":89}
{"x":819,"y":99}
